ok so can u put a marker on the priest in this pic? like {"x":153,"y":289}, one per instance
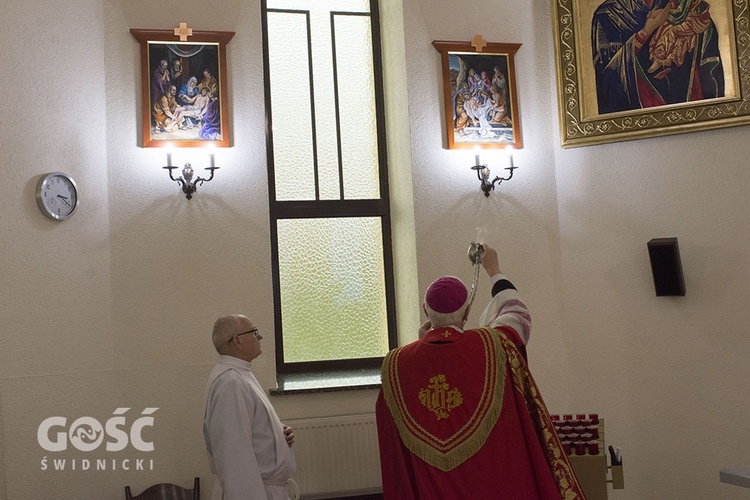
{"x":248,"y":446}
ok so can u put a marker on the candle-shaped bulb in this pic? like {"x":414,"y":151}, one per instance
{"x":212,"y":160}
{"x":169,"y":159}
{"x":511,"y":161}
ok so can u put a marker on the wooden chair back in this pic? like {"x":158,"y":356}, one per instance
{"x":167,"y":491}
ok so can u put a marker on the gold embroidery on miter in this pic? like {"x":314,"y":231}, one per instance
{"x":439,"y":398}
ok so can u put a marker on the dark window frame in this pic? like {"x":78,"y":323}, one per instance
{"x":317,"y":208}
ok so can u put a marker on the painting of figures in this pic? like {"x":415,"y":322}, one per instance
{"x":184,"y":101}
{"x":480,"y":96}
{"x":632,"y":69}
{"x":656,"y":53}
{"x":184,"y":92}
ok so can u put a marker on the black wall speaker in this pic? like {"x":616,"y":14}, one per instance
{"x":666,"y":266}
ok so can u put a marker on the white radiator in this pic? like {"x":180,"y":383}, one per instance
{"x":336,"y":456}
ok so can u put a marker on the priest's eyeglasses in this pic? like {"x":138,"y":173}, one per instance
{"x":254,"y":331}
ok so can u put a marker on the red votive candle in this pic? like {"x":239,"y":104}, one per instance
{"x":566,"y":447}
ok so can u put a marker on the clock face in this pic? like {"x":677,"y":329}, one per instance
{"x":57,"y":195}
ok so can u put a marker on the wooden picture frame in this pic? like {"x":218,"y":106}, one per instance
{"x":197,"y":111}
{"x":635,"y":84}
{"x":483,"y":112}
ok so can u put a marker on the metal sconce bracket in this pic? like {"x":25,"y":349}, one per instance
{"x":483,"y":174}
{"x":189,"y":186}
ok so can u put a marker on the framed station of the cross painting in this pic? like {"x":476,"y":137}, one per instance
{"x":480,"y":94}
{"x":620,"y":77}
{"x":184,"y":87}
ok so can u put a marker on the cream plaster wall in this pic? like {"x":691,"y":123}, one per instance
{"x":113,"y":307}
{"x":669,"y":371}
{"x":667,"y":374}
{"x":56,"y":344}
{"x":520,"y":218}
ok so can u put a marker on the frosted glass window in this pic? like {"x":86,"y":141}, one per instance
{"x":330,"y":216}
{"x":321,"y":6}
{"x":332,"y":286}
{"x":290,"y":101}
{"x":325,"y":140}
{"x":356,"y":88}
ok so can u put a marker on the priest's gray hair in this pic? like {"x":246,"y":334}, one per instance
{"x":455,"y":318}
{"x":224,"y":329}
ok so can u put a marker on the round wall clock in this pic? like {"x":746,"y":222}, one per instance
{"x":57,"y":195}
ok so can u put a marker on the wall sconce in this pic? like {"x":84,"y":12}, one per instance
{"x":483,"y":174}
{"x":189,"y":186}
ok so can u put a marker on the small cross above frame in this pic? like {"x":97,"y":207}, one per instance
{"x":183,"y":32}
{"x":479,"y":43}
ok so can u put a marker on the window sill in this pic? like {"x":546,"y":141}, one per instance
{"x":333,"y":381}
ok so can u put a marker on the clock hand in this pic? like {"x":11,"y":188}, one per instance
{"x":64,"y":198}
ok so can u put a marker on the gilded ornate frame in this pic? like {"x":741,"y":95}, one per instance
{"x":580,"y":121}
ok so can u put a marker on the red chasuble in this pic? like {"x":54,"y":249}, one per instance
{"x":460,"y":417}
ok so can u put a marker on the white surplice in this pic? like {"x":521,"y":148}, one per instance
{"x":247,"y":450}
{"x":507,"y":309}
